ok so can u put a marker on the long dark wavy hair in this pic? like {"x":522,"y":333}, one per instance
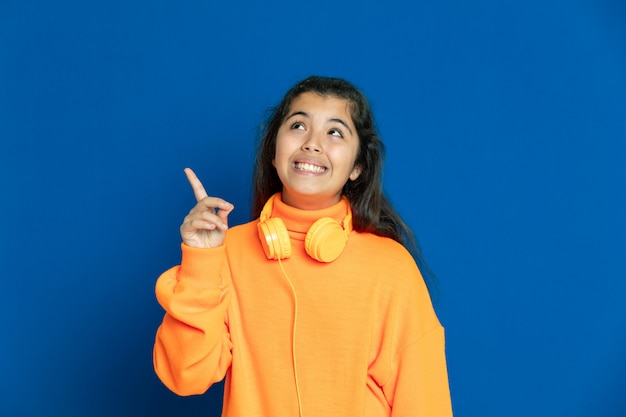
{"x":371,"y":210}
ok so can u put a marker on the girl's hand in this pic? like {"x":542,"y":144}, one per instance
{"x":206,"y":223}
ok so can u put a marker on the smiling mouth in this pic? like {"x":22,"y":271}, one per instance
{"x":303,"y":166}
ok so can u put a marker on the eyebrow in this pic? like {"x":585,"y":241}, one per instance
{"x":305,"y":114}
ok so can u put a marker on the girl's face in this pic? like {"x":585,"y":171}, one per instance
{"x":316,"y":148}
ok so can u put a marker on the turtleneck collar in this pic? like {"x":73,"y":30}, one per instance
{"x":299,"y":221}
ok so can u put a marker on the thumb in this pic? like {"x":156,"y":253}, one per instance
{"x":224,"y":212}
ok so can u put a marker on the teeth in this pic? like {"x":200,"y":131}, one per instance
{"x":309,"y":167}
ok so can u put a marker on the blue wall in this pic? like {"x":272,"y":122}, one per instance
{"x":505,"y":123}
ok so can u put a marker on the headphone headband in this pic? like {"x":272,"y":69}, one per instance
{"x":324,"y":240}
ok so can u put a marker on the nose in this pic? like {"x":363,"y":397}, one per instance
{"x":312,"y":143}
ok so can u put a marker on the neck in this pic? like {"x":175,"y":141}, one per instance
{"x":299,"y":220}
{"x":309,"y":202}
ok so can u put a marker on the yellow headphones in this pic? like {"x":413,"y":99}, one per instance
{"x":324,"y":240}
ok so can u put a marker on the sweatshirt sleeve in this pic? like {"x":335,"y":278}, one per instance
{"x":415,"y":377}
{"x":418,"y":385}
{"x":193,"y":348}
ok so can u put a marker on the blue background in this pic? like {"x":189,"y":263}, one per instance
{"x":505,"y":125}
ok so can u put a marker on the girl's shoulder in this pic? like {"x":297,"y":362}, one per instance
{"x":382,"y":253}
{"x":242,"y":232}
{"x":379,"y":245}
{"x":386,"y":260}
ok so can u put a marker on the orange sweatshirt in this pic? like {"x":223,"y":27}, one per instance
{"x":354,"y":337}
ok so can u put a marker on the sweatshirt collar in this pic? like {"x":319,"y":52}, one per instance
{"x":299,"y":221}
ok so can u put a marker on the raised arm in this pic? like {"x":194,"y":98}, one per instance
{"x":192,"y":348}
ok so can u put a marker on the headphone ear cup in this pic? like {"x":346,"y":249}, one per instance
{"x":274,"y":239}
{"x":325,"y":240}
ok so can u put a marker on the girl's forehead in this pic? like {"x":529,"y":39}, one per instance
{"x":319,"y":101}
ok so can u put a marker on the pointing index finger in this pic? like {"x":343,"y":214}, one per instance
{"x":196,"y":185}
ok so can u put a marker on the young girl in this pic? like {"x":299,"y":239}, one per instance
{"x":315,"y":308}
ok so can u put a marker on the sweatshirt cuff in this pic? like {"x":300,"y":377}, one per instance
{"x":202,"y":265}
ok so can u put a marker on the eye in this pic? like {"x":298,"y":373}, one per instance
{"x":335,"y":132}
{"x":297,"y":125}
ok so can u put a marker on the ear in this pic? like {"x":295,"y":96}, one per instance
{"x":274,"y":162}
{"x":356,"y":171}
